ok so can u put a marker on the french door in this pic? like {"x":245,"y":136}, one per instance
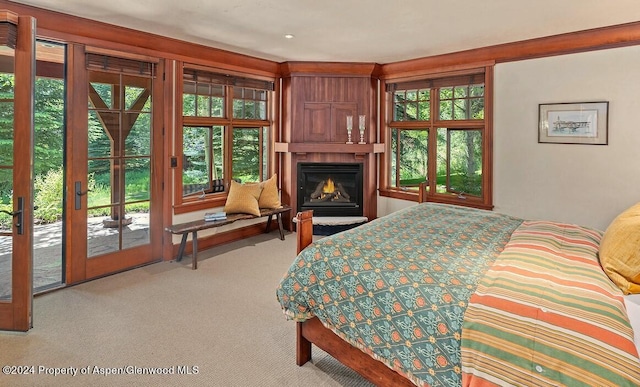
{"x":114,"y":187}
{"x":17,"y":74}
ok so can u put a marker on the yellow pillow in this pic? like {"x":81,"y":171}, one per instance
{"x":243,"y":198}
{"x":620,"y":250}
{"x":269,"y":197}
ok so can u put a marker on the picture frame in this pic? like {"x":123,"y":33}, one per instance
{"x":574,"y":123}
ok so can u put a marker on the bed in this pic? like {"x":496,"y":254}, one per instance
{"x":445,"y":295}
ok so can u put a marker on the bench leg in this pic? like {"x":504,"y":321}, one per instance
{"x":183,"y":243}
{"x":268,"y":223}
{"x":279,"y":217}
{"x":194,"y":259}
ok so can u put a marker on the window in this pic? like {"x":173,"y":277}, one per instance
{"x":202,"y":159}
{"x":226,"y":132}
{"x":409,"y":157}
{"x":438,"y":135}
{"x":250,"y":161}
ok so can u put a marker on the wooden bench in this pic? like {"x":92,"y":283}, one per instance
{"x":197,"y":225}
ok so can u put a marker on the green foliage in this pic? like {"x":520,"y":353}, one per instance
{"x":413,"y":154}
{"x":138,"y":184}
{"x":49,"y":123}
{"x":465,"y":163}
{"x":7,"y":84}
{"x":5,"y":220}
{"x":246,"y":154}
{"x":462,"y":102}
{"x":48,"y":196}
{"x":412,"y":105}
{"x":202,"y":150}
{"x":142,"y":207}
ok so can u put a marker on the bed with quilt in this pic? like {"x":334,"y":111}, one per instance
{"x":441,"y":295}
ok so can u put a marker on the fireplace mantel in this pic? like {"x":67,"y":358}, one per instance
{"x":293,"y":153}
{"x":305,"y":147}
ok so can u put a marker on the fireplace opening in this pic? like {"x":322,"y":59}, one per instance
{"x":330,"y":189}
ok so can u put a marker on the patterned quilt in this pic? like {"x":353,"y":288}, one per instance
{"x":547,"y":315}
{"x":398,"y":287}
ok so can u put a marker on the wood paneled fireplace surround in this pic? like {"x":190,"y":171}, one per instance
{"x":317,"y":98}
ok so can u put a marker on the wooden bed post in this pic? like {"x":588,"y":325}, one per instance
{"x":422,"y":192}
{"x":303,"y":346}
{"x":304,"y":231}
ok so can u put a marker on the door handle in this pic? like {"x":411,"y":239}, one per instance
{"x":19,"y":215}
{"x":14,"y":214}
{"x":79,"y":194}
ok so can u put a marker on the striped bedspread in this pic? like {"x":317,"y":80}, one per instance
{"x":545,"y":314}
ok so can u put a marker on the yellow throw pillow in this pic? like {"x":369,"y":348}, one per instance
{"x":243,"y":198}
{"x":269,"y":197}
{"x":620,"y":250}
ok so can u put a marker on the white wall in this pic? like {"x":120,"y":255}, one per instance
{"x":388,"y":205}
{"x":583,"y":184}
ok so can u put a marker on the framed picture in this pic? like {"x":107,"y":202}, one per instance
{"x":573,"y":123}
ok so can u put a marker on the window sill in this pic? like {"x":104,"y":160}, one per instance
{"x":453,"y":199}
{"x":439,"y":198}
{"x":199,"y":205}
{"x":399,"y":194}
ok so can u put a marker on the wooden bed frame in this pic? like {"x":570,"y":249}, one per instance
{"x":313,"y":332}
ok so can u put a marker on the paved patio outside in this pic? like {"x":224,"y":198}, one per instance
{"x":47,"y":249}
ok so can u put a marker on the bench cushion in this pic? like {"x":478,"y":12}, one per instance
{"x":243,"y":198}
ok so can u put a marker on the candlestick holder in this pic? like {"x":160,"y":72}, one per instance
{"x":361,"y":127}
{"x":349,"y":128}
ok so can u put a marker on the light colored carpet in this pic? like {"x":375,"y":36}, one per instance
{"x":222,"y":319}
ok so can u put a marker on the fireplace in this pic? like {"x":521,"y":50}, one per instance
{"x":330,"y":189}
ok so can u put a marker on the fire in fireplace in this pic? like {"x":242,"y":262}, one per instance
{"x":330,"y":189}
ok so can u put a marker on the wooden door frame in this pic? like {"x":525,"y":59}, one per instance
{"x":75,"y":270}
{"x":17,"y":314}
{"x":79,"y":267}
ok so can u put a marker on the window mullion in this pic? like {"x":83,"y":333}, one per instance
{"x":228,"y":156}
{"x":228,"y":135}
{"x":228,"y":113}
{"x":260,"y":154}
{"x":398,"y":152}
{"x":468,"y":103}
{"x":448,"y":165}
{"x":432,"y":156}
{"x":211,"y":156}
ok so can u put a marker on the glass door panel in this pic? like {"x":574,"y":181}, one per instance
{"x":119,"y":152}
{"x":115,"y":149}
{"x":48,"y":260}
{"x":7,"y":81}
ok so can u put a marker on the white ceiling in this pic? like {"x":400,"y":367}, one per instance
{"x":380,"y":31}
